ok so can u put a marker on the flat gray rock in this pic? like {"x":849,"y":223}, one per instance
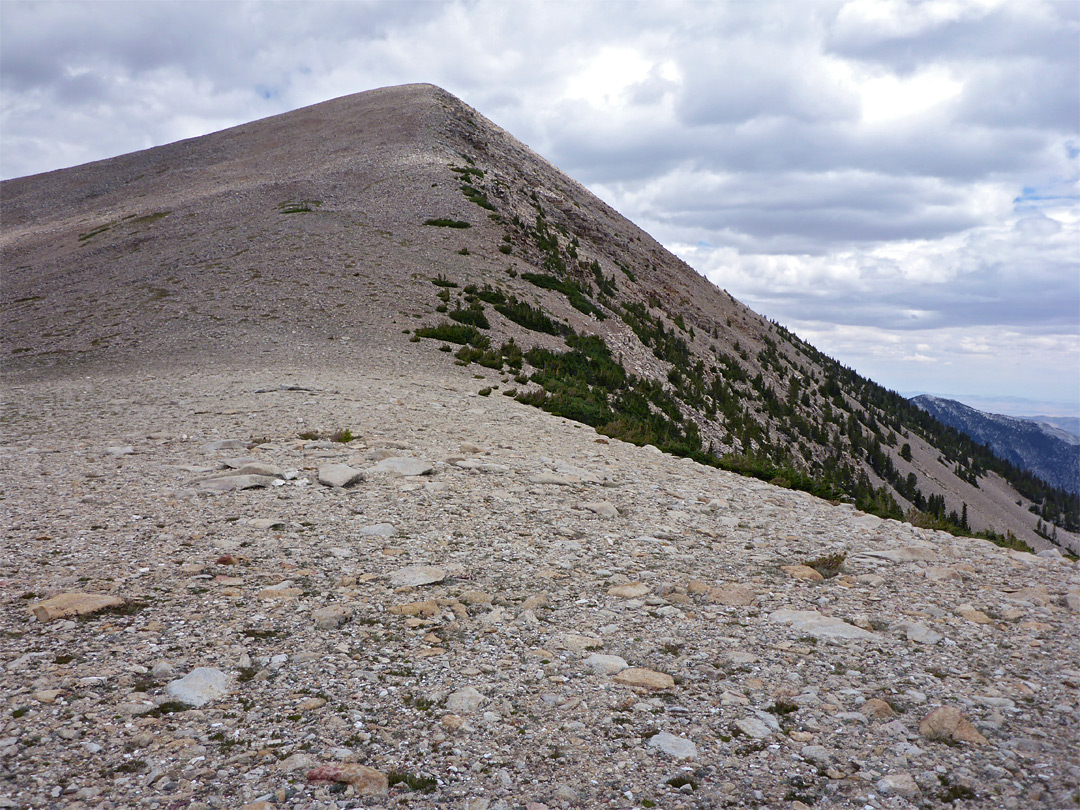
{"x":552,"y":478}
{"x":403,"y":466}
{"x":905,"y":554}
{"x":604,"y":509}
{"x":224,"y":444}
{"x":339,"y":475}
{"x":229,"y":483}
{"x":920,"y":633}
{"x":753,"y":727}
{"x":416,"y":575}
{"x":199,"y":687}
{"x":678,"y":747}
{"x":818,"y":625}
{"x":378,"y":530}
{"x":258,"y":468}
{"x":465,"y":700}
{"x":606,"y":664}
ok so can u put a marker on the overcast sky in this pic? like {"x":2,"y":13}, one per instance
{"x":895,"y":181}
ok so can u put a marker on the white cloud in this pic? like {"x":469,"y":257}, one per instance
{"x":898,"y":178}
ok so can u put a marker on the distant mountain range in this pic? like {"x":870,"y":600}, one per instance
{"x":1068,"y":424}
{"x":1043,"y":446}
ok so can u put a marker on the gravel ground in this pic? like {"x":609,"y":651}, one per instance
{"x":526,"y":614}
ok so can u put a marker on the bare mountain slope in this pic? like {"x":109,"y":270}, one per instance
{"x":310,"y":231}
{"x":265,"y":545}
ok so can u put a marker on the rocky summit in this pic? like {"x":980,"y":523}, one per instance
{"x":258,"y":568}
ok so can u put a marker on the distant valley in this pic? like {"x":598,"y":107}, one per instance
{"x":1042,"y":447}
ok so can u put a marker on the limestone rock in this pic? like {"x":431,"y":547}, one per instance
{"x":231,"y":483}
{"x":199,"y":687}
{"x":331,"y":616}
{"x":642,"y":678}
{"x":899,"y":784}
{"x":339,"y":475}
{"x":604,"y":509}
{"x":677,"y":747}
{"x":74,"y":603}
{"x":629,"y":590}
{"x":948,"y":724}
{"x":465,"y":700}
{"x":606,"y":664}
{"x":802,"y":572}
{"x":819,"y":626}
{"x":731,"y":595}
{"x":402,"y":466}
{"x":417,"y":575}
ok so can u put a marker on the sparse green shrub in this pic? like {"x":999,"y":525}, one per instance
{"x":443,"y":222}
{"x":459,"y":333}
{"x":574,"y":294}
{"x":298,"y":206}
{"x":416,"y":782}
{"x":473,"y":316}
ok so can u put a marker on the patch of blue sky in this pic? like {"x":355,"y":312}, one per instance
{"x":1055,"y":195}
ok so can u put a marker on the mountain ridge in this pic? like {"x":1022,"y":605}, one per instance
{"x":275,"y":534}
{"x":1048,"y":452}
{"x":210,"y":244}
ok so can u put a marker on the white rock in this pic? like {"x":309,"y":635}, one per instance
{"x":678,"y":747}
{"x":604,"y":509}
{"x":224,"y":444}
{"x":606,"y":664}
{"x":378,"y":530}
{"x":817,"y":625}
{"x":753,"y":727}
{"x":339,"y":475}
{"x":402,"y":466}
{"x":465,"y":700}
{"x":899,"y":784}
{"x":920,"y":633}
{"x":416,"y":575}
{"x":199,"y":687}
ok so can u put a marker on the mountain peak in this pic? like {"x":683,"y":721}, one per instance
{"x":404,"y":211}
{"x":369,"y":434}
